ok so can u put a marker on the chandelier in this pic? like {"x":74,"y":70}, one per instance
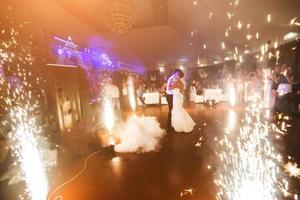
{"x":119,"y":16}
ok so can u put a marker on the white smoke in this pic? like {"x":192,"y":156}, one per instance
{"x":139,"y":134}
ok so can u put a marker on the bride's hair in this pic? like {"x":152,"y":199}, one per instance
{"x":180,"y":72}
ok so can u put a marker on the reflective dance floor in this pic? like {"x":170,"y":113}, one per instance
{"x":184,"y":167}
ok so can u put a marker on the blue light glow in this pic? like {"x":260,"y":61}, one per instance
{"x":60,"y":51}
{"x":88,"y":57}
{"x":69,"y":53}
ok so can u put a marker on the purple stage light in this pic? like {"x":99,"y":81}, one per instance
{"x":95,"y":57}
{"x":60,"y":51}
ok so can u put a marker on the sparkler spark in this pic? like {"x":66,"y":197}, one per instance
{"x":229,"y":15}
{"x":249,"y":37}
{"x":199,"y":142}
{"x":25,"y":148}
{"x":226,"y":33}
{"x":292,"y":169}
{"x":257,"y":35}
{"x":223,"y":45}
{"x":250,"y":163}
{"x":189,"y":191}
{"x":236,"y":50}
{"x":241,"y":60}
{"x":27,"y":144}
{"x":240,"y":25}
{"x":231,"y":120}
{"x":232,"y":95}
{"x":293,"y":21}
{"x":267,"y":88}
{"x":236,"y":3}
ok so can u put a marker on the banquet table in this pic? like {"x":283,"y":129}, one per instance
{"x":213,"y":94}
{"x":163,"y":100}
{"x":151,"y":97}
{"x":194,"y":97}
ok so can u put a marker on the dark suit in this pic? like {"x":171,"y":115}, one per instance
{"x":170,"y":104}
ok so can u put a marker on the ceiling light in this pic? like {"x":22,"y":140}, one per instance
{"x":119,"y":16}
{"x":161,"y":69}
{"x":269,"y":18}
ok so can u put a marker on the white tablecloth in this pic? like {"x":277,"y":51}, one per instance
{"x":194,"y":97}
{"x":151,"y":97}
{"x":213,"y":94}
{"x":163,"y":100}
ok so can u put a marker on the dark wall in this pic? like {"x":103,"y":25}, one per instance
{"x":297,"y":62}
{"x":67,"y":93}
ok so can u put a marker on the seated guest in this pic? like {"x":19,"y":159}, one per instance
{"x":295,"y":99}
{"x":199,"y":88}
{"x":274,"y":78}
{"x":283,"y":81}
{"x":288,"y":99}
{"x":193,"y":83}
{"x":284,"y":90}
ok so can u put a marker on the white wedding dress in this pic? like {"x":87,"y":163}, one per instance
{"x":181,"y":120}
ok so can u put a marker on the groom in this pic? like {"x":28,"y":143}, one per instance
{"x":172,"y":83}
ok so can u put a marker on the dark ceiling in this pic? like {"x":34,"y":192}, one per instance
{"x":147,"y":12}
{"x":173,"y":30}
{"x":204,"y":22}
{"x":200,"y":23}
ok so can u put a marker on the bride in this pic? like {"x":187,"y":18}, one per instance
{"x":181,"y":121}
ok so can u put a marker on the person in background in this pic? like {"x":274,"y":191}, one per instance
{"x":199,"y":88}
{"x":295,"y":99}
{"x":163,"y":89}
{"x":283,"y":81}
{"x":275,"y":74}
{"x":283,"y":77}
{"x":140,"y":92}
{"x":259,"y":73}
{"x":125,"y":94}
{"x":279,"y":77}
{"x":284,"y":94}
{"x":111,"y":92}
